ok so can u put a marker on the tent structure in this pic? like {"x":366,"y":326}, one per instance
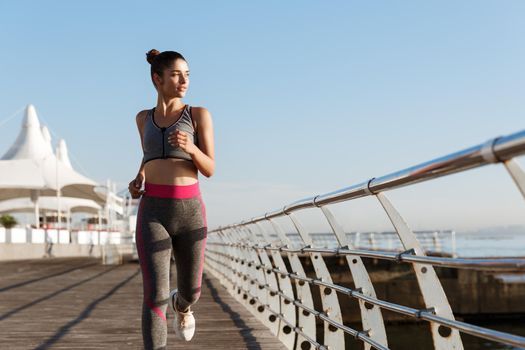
{"x":18,"y":178}
{"x":50,"y":204}
{"x":67,"y":204}
{"x":30,"y":168}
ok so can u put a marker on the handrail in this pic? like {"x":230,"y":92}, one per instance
{"x":510,"y":264}
{"x":499,"y":148}
{"x":424,"y":314}
{"x":253,"y":269}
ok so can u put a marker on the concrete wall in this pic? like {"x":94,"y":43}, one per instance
{"x":62,"y":236}
{"x":20,"y":251}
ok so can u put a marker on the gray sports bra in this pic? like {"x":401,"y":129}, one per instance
{"x":156,"y":145}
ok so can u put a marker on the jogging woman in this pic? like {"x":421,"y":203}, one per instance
{"x":177,"y":141}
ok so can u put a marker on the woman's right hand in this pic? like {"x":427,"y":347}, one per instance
{"x":135,"y":185}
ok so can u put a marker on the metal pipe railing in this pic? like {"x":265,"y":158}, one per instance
{"x":506,"y":264}
{"x":423,"y":314}
{"x":296,"y":329}
{"x":497,"y":149}
{"x":243,"y":261}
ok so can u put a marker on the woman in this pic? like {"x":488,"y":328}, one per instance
{"x":177,"y":141}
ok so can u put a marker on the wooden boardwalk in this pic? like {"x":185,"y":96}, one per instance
{"x":78,"y":303}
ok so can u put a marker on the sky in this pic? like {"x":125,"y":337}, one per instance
{"x":306,"y":97}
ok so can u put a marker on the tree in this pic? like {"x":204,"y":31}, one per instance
{"x":8,"y":221}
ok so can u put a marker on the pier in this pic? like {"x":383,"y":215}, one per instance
{"x":301,"y":302}
{"x":79,"y":303}
{"x":360,"y":168}
{"x":82,"y":289}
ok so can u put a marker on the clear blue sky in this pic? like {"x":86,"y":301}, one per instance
{"x":306,"y":96}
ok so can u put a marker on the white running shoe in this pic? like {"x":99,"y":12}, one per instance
{"x":184,"y":322}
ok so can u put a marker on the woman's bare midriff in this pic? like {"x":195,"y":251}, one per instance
{"x":170,"y":171}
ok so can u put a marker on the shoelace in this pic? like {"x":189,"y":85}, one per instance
{"x":184,"y":317}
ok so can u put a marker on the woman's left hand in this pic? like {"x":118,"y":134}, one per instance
{"x":181,"y":139}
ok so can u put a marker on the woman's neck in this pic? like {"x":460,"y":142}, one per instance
{"x":170,"y":106}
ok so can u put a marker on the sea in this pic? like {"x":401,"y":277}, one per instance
{"x":488,"y":243}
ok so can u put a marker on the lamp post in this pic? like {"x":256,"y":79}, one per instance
{"x":59,"y":220}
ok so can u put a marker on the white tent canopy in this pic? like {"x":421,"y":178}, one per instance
{"x":30,"y":168}
{"x":47,"y":138}
{"x":30,"y":143}
{"x":62,"y":153}
{"x":34,"y":144}
{"x":74,"y":205}
{"x":23,"y":174}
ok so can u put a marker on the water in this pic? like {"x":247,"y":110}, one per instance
{"x":478,"y":244}
{"x":489,"y":244}
{"x":418,"y":337}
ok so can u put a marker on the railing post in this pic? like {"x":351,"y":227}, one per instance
{"x":221,"y":272}
{"x":370,"y":314}
{"x":274,"y":301}
{"x":333,"y":336}
{"x":230,"y":250}
{"x":433,"y":294}
{"x":287,"y":309}
{"x":453,"y":244}
{"x":240,"y":269}
{"x":305,"y":319}
{"x":436,"y":240}
{"x":253,"y":265}
{"x":245,"y":267}
{"x":517,"y":174}
{"x":264,"y":279}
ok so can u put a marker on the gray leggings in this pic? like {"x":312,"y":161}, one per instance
{"x":170,"y":219}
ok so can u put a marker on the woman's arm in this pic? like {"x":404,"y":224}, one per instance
{"x":141,"y":169}
{"x":135,"y":184}
{"x":140,"y":119}
{"x":203,"y":156}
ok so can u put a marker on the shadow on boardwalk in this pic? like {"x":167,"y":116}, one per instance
{"x":78,"y":303}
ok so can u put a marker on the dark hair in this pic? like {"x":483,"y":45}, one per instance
{"x":161,"y":60}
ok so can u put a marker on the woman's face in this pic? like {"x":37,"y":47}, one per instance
{"x":175,"y":79}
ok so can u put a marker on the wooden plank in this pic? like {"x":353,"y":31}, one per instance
{"x":78,"y":303}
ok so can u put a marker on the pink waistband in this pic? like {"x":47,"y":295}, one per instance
{"x":171,"y":191}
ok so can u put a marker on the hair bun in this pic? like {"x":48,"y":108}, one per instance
{"x":151,"y":54}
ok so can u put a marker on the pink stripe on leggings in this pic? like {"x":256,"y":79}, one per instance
{"x":203,"y":212}
{"x":171,"y":191}
{"x":145,"y":272}
{"x":202,"y":261}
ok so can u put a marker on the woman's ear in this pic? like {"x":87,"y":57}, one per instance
{"x":157,"y":80}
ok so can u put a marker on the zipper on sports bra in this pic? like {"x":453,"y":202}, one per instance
{"x":163,"y":150}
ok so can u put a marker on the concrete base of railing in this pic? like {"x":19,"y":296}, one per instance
{"x":21,"y":251}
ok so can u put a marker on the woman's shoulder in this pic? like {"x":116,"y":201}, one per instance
{"x":141,"y":116}
{"x":200,"y":116}
{"x":199,"y":112}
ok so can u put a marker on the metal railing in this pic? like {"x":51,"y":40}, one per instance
{"x":437,"y":241}
{"x":250,"y":263}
